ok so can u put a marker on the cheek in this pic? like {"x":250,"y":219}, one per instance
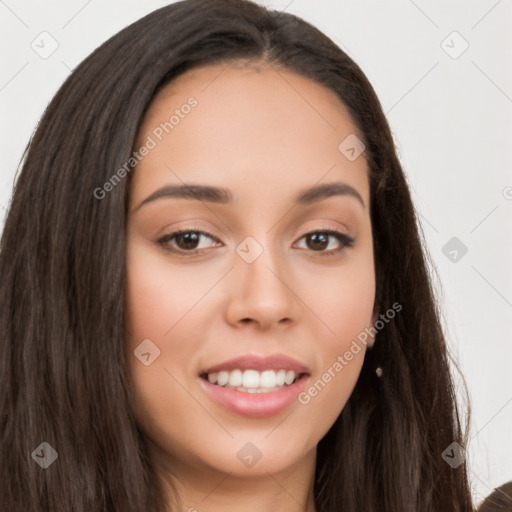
{"x":159,"y":295}
{"x":157,"y":301}
{"x":342,"y":297}
{"x":343,"y":300}
{"x":346,"y":304}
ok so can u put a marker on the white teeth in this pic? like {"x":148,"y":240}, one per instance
{"x":223,"y":378}
{"x":252,"y":381}
{"x":235,"y":378}
{"x":289,"y":377}
{"x":268,"y":379}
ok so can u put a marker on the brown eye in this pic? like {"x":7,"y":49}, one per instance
{"x":319,"y":241}
{"x":185,"y":242}
{"x":188,"y":240}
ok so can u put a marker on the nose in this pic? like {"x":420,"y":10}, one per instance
{"x":261,"y":293}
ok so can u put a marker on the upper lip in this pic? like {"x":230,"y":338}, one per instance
{"x":259,"y":363}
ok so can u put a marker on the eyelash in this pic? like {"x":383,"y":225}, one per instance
{"x":346,"y":241}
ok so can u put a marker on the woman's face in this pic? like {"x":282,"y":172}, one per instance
{"x":264,"y":292}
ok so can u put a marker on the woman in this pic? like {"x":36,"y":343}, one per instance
{"x":214,"y":292}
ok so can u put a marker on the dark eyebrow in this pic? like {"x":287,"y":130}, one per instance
{"x":223,"y":196}
{"x":327,"y":190}
{"x":199,"y":192}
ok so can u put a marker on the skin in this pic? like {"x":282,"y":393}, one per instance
{"x":265,"y":135}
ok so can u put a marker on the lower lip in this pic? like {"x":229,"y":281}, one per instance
{"x":256,"y":405}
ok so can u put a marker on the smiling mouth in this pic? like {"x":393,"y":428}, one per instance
{"x":253,"y":381}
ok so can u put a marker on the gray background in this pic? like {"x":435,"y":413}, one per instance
{"x":450,"y":111}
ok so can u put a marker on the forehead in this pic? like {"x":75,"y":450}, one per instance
{"x":254,"y":129}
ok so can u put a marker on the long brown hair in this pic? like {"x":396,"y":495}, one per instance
{"x":63,"y":368}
